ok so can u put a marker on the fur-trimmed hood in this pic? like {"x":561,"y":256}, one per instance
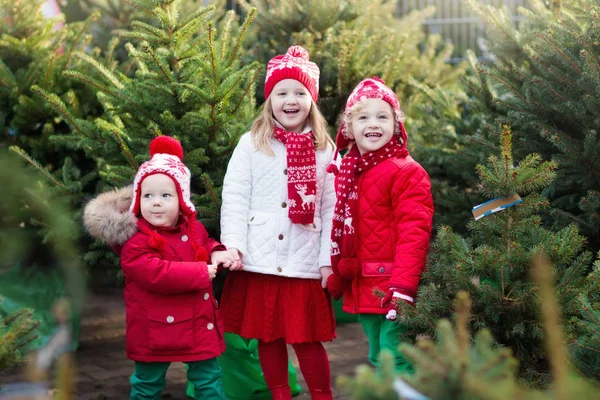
{"x":107,"y":217}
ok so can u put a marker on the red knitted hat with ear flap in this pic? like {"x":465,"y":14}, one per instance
{"x":166,"y":158}
{"x":166,"y":155}
{"x":370,"y":88}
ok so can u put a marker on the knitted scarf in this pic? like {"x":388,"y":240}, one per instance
{"x":343,"y":232}
{"x":301,"y":174}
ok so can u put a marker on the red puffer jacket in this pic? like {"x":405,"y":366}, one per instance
{"x":171,"y":314}
{"x":394,"y":218}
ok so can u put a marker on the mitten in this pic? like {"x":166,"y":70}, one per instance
{"x":337,"y":286}
{"x":389,"y":301}
{"x":348,"y":268}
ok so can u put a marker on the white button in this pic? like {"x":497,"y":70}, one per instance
{"x":206,"y":296}
{"x":210,"y":326}
{"x":170,"y":319}
{"x":184,"y":238}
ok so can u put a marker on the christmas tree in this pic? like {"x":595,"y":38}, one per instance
{"x":586,"y":349}
{"x":34,"y":51}
{"x":16,"y":332}
{"x":188,"y":82}
{"x":493,"y":263}
{"x":543,"y":82}
{"x":455,"y":366}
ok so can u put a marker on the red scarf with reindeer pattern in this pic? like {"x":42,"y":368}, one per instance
{"x":301,"y":174}
{"x":343,"y":235}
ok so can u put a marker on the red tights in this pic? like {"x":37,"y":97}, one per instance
{"x":314,"y":365}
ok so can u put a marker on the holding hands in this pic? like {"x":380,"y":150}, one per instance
{"x":212,"y":270}
{"x":227,"y":258}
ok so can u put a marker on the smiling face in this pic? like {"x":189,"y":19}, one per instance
{"x":159,"y":202}
{"x":372,"y":125}
{"x":291,"y":103}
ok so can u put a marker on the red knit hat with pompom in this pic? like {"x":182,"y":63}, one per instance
{"x":166,"y":154}
{"x":293,"y":65}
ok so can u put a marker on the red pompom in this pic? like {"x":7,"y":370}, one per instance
{"x":333,"y":169}
{"x":166,"y":145}
{"x":201,"y":254}
{"x":337,"y":286}
{"x":298,"y":52}
{"x":349,"y":267}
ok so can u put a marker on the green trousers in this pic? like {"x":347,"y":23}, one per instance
{"x":384,"y":334}
{"x":148,"y":379}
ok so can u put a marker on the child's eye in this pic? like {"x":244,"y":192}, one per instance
{"x":300,"y":93}
{"x":383,"y":117}
{"x":147,"y":195}
{"x":362,"y":117}
{"x":166,"y":195}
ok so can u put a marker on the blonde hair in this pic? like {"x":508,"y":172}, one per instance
{"x":263,"y":126}
{"x":347,"y":116}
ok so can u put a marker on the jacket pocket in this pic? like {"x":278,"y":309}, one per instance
{"x":316,"y":226}
{"x":377,"y":268}
{"x":170,"y":329}
{"x":258,"y":217}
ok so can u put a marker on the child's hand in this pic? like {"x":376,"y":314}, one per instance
{"x":221,"y":257}
{"x":325,"y":273}
{"x":389,"y":301}
{"x":212,"y":270}
{"x":337,"y":286}
{"x":236,"y":264}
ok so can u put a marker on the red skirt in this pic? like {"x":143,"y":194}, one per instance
{"x":269,"y":307}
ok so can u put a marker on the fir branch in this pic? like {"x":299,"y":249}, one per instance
{"x":9,"y":75}
{"x":37,"y":166}
{"x":558,"y":50}
{"x":94,"y":17}
{"x":546,"y":132}
{"x":126,"y":151}
{"x":571,"y":216}
{"x":85,"y":79}
{"x":211,"y":44}
{"x":248,"y":88}
{"x":48,"y":71}
{"x":208,"y":185}
{"x":510,"y":87}
{"x":157,"y":62}
{"x":141,"y":8}
{"x":101,"y":68}
{"x":548,"y":170}
{"x":60,"y":106}
{"x":539,"y":80}
{"x":249,"y":18}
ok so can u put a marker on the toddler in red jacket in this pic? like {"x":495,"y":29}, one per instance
{"x":169,"y":264}
{"x":382,"y":219}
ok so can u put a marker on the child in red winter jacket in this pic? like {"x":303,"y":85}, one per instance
{"x":171,"y":314}
{"x":382,"y":219}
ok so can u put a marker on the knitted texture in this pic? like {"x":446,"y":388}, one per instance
{"x":301,"y":174}
{"x":294,"y":64}
{"x":166,"y":154}
{"x":343,"y":232}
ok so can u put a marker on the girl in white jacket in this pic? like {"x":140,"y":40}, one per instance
{"x":278,"y":202}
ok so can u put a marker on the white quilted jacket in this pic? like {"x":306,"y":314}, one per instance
{"x":254,"y":213}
